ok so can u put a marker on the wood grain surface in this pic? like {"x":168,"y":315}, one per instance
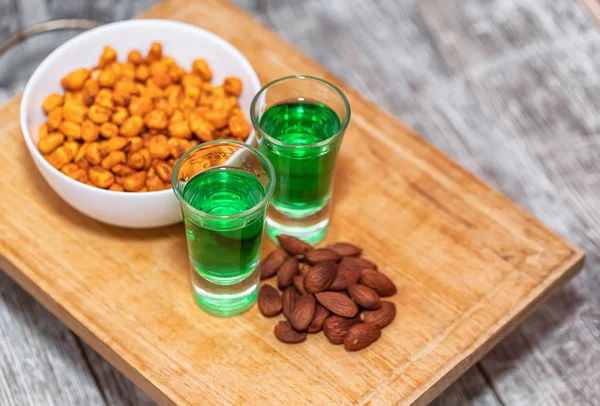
{"x":470,"y":265}
{"x":401,"y":53}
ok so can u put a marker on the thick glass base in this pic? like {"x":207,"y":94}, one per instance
{"x":300,"y":211}
{"x":225,"y":300}
{"x":311,"y":229}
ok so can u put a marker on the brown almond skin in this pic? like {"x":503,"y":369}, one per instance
{"x":289,"y":297}
{"x":378,"y":282}
{"x":336,"y":327}
{"x":303,"y":313}
{"x":365,"y":297}
{"x":357,"y":264}
{"x":272,"y":262}
{"x":344,"y":278}
{"x":286,"y":273}
{"x":351,"y":268}
{"x":316,"y":325}
{"x":286,"y":334}
{"x":345,"y":249}
{"x":299,"y":284}
{"x":361,"y":336}
{"x":269,"y":301}
{"x":304,"y":268}
{"x":337,"y":303}
{"x":347,"y":263}
{"x":293,"y":245}
{"x":381,"y":317}
{"x":320,"y":277}
{"x":319,"y":255}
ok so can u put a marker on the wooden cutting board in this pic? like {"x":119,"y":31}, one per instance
{"x":470,"y":265}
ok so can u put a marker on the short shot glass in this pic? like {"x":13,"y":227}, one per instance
{"x":300,"y":123}
{"x":224,"y":189}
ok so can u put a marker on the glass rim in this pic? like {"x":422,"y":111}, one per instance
{"x":264,"y":201}
{"x":275,"y":141}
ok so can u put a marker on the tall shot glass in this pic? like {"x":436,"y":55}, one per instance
{"x":224,"y":189}
{"x":300,"y":123}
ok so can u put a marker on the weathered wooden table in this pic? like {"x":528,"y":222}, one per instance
{"x":508,"y":88}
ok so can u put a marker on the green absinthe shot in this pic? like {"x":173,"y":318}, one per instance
{"x":224,"y":249}
{"x":304,"y":175}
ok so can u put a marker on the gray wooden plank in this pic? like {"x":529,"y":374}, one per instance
{"x":17,"y":64}
{"x":40,"y":360}
{"x":533,"y":107}
{"x":471,"y":389}
{"x":477,"y":31}
{"x":8,"y":25}
{"x":379,"y":47}
{"x":116,"y":388}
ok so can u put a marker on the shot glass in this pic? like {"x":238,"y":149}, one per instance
{"x":224,"y":188}
{"x":300,"y":123}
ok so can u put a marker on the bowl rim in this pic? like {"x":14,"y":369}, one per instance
{"x":63,"y":48}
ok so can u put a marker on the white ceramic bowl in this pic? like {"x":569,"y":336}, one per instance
{"x":181,"y":41}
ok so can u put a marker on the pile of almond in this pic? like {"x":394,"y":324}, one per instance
{"x":330,"y":289}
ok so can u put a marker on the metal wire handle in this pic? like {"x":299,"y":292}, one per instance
{"x":53,"y":25}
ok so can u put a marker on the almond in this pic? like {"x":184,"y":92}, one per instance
{"x":303,"y":313}
{"x":293,"y":245}
{"x":321,"y":314}
{"x":289,"y":297}
{"x":378,"y":282}
{"x":381,"y":317}
{"x":346,"y":250}
{"x":348,"y":264}
{"x":361,"y":336}
{"x":299,"y":284}
{"x":365,"y":297}
{"x":304,"y":268}
{"x":286,"y":273}
{"x":285,"y":333}
{"x":338,"y":303}
{"x":269,"y":301}
{"x":319,"y":255}
{"x":344,"y":278}
{"x":357,"y":264}
{"x":336,"y":327}
{"x":320,"y":277}
{"x":350,"y":267}
{"x":274,"y":260}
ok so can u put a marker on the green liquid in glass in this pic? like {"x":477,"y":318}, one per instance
{"x":224,"y":250}
{"x":304,"y":175}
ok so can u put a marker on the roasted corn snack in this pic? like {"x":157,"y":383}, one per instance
{"x":121,"y":126}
